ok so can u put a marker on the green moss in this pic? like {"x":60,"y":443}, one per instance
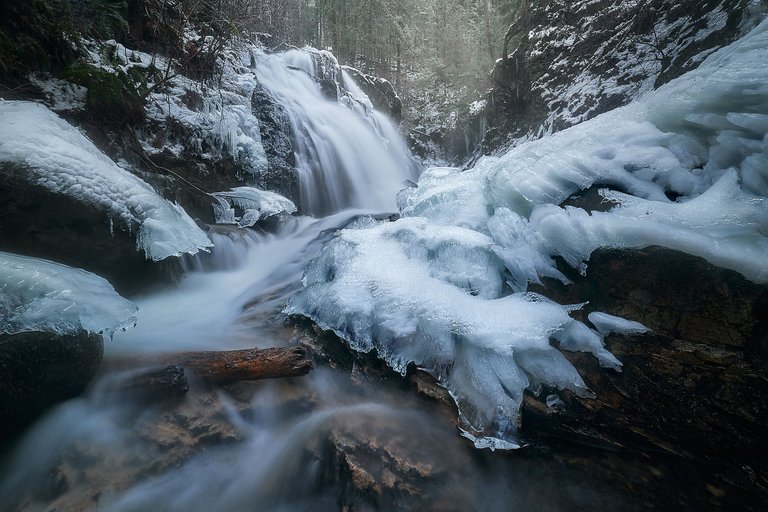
{"x":112,"y":95}
{"x":36,"y":35}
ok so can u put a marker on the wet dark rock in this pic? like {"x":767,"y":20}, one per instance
{"x":37,"y":222}
{"x":277,"y":137}
{"x":40,"y":369}
{"x":381,"y":92}
{"x":693,"y":386}
{"x":590,"y":200}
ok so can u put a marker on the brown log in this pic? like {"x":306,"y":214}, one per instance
{"x":231,"y":365}
{"x":249,"y":364}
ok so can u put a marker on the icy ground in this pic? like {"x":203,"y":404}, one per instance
{"x":444,"y":287}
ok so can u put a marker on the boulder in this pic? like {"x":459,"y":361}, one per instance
{"x":693,"y":386}
{"x":381,"y":92}
{"x":37,"y":222}
{"x":40,"y":369}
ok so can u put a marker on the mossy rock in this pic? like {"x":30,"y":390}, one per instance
{"x":113,"y":95}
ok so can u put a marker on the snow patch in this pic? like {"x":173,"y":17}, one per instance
{"x":60,"y":95}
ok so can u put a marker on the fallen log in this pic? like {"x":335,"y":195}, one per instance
{"x":249,"y":364}
{"x":232,"y":365}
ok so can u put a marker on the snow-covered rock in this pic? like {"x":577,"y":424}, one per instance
{"x":42,"y":296}
{"x":255,"y":204}
{"x":45,"y":150}
{"x":218,"y":122}
{"x":431,"y":296}
{"x":581,"y":58}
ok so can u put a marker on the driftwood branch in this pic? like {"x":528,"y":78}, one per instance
{"x":154,"y":384}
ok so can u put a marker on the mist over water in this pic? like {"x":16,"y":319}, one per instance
{"x":351,"y":162}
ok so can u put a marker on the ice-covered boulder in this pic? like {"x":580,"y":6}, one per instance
{"x":444,"y":287}
{"x":52,"y":319}
{"x":254,"y":204}
{"x":40,"y":295}
{"x":434,"y":296}
{"x":43,"y":149}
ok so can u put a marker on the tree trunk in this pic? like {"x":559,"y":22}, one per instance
{"x":488,"y":32}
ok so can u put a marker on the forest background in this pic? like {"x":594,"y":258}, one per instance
{"x":438,"y":54}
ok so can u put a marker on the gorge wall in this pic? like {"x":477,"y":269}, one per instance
{"x":577,"y":59}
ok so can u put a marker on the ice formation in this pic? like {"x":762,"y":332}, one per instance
{"x":432,"y":295}
{"x":255,"y":204}
{"x":701,"y":138}
{"x":51,"y":153}
{"x":40,"y":295}
{"x":444,"y":287}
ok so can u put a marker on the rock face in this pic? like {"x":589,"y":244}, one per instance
{"x":693,"y":386}
{"x":459,"y":142}
{"x":380,"y":91}
{"x":276,"y":136}
{"x":40,"y":369}
{"x":579,"y":59}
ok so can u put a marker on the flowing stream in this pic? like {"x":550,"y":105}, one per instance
{"x":268,"y":445}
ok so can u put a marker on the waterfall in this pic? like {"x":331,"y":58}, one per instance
{"x":347,"y":154}
{"x":351,"y":160}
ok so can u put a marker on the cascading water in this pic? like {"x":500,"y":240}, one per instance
{"x":347,"y":154}
{"x":351,"y":161}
